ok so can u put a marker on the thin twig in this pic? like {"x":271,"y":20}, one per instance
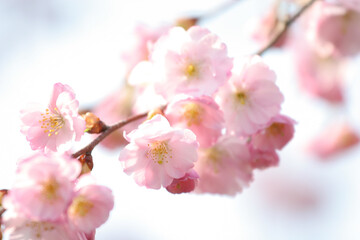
{"x":218,"y":10}
{"x":88,"y":149}
{"x":286,"y":25}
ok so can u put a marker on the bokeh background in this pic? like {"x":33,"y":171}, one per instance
{"x":79,"y":43}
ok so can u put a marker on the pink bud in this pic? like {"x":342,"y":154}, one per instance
{"x":185,"y":184}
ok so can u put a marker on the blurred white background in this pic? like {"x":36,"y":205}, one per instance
{"x":79,"y":43}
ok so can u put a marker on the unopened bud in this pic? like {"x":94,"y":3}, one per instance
{"x":3,"y":192}
{"x":154,"y":112}
{"x":185,"y":184}
{"x":87,"y":163}
{"x":186,"y":23}
{"x":93,"y":123}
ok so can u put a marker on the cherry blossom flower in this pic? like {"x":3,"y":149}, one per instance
{"x":143,"y":41}
{"x":278,"y":132}
{"x":117,"y":106}
{"x":267,"y":26}
{"x":321,"y":76}
{"x":224,"y":168}
{"x":334,"y":139}
{"x":20,"y":227}
{"x":56,"y":125}
{"x":262,"y":159}
{"x":43,"y":186}
{"x":148,"y":100}
{"x":91,"y":205}
{"x":199,"y":114}
{"x":351,"y":4}
{"x":250,"y":98}
{"x":334,"y":29}
{"x":185,"y":184}
{"x":157,"y":153}
{"x":193,"y":62}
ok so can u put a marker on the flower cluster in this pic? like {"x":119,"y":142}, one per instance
{"x":211,"y":122}
{"x":49,"y":128}
{"x":51,"y":198}
{"x":222,"y":119}
{"x":48,"y":201}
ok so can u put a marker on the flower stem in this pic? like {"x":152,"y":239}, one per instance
{"x":218,"y":10}
{"x":88,"y":149}
{"x":285,"y":27}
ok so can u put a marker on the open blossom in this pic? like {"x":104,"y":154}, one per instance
{"x":224,"y":168}
{"x":157,"y":153}
{"x":199,"y":114}
{"x":117,"y":106}
{"x":278,"y":132}
{"x":90,"y":206}
{"x":43,"y":186}
{"x":320,"y":75}
{"x":262,"y":159}
{"x":20,"y":227}
{"x":334,"y":29}
{"x":351,"y":4}
{"x":334,"y":139}
{"x":143,"y":42}
{"x":59,"y":123}
{"x":250,"y":98}
{"x":193,"y":62}
{"x":268,"y":26}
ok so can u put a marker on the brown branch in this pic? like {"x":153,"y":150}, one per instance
{"x":286,"y":25}
{"x":220,"y":9}
{"x":88,"y":149}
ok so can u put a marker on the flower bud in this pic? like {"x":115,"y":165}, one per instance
{"x":87,"y":163}
{"x":185,"y":184}
{"x":93,"y":123}
{"x":186,"y":23}
{"x":154,"y":112}
{"x":3,"y":192}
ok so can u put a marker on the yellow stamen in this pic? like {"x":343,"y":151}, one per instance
{"x":241,"y":97}
{"x":52,"y":122}
{"x":193,"y":113}
{"x":190,"y":70}
{"x":276,"y":129}
{"x":214,"y":158}
{"x":50,"y":188}
{"x":159,"y":152}
{"x":39,"y":227}
{"x":80,"y":206}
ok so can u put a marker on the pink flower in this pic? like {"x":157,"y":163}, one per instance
{"x":261,"y":159}
{"x":334,"y":29}
{"x":144,"y":39}
{"x":44,"y":185}
{"x":278,"y":132}
{"x":185,"y":184}
{"x":114,"y":108}
{"x":193,"y":62}
{"x":250,"y":98}
{"x":268,"y":26}
{"x":199,"y":114}
{"x":18,"y":226}
{"x":333,"y":140}
{"x":351,"y":4}
{"x":157,"y":153}
{"x":60,"y":123}
{"x":147,"y":100}
{"x":224,"y":168}
{"x":320,"y":76}
{"x":91,"y":205}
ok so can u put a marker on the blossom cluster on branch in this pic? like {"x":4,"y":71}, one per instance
{"x":192,"y":119}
